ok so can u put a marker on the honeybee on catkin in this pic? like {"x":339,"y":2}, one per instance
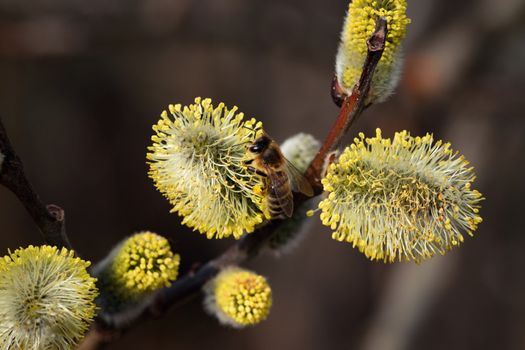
{"x":283,"y":178}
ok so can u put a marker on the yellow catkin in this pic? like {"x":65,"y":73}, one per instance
{"x":46,"y":299}
{"x":358,"y":27}
{"x":143,"y":264}
{"x":408,"y":198}
{"x":238,"y":298}
{"x":197,"y":162}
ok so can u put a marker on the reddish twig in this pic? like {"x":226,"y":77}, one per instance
{"x":50,"y":218}
{"x":351,"y":106}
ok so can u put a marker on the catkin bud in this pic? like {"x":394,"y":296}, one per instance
{"x":238,"y":298}
{"x":134,"y":269}
{"x":300,"y":150}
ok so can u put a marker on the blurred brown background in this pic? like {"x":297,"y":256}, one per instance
{"x":83,"y":81}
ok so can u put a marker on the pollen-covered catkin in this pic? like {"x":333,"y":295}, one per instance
{"x":406,"y":198}
{"x":238,"y":298}
{"x":140,"y":265}
{"x":359,"y":25}
{"x":197,"y":161}
{"x":46,"y":299}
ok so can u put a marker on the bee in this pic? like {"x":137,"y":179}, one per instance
{"x":283,"y":176}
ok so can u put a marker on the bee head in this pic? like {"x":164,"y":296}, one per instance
{"x":260,"y":144}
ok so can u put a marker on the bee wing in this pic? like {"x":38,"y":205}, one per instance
{"x":297,"y":180}
{"x":286,"y":204}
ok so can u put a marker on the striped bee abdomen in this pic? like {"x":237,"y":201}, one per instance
{"x":280,"y":197}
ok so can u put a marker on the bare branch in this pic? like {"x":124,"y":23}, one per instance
{"x":50,"y":218}
{"x":250,"y":245}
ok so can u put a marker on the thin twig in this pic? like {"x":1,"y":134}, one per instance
{"x":250,"y":245}
{"x":50,"y":218}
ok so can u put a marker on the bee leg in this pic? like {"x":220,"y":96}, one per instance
{"x":249,"y":161}
{"x":257,"y":171}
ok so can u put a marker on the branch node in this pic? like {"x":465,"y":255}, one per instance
{"x":56,"y":212}
{"x":377,"y":41}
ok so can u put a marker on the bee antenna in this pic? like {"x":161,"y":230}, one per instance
{"x":247,"y":127}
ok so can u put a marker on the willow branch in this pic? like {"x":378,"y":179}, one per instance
{"x":351,"y":106}
{"x":249,"y":246}
{"x":50,"y":218}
